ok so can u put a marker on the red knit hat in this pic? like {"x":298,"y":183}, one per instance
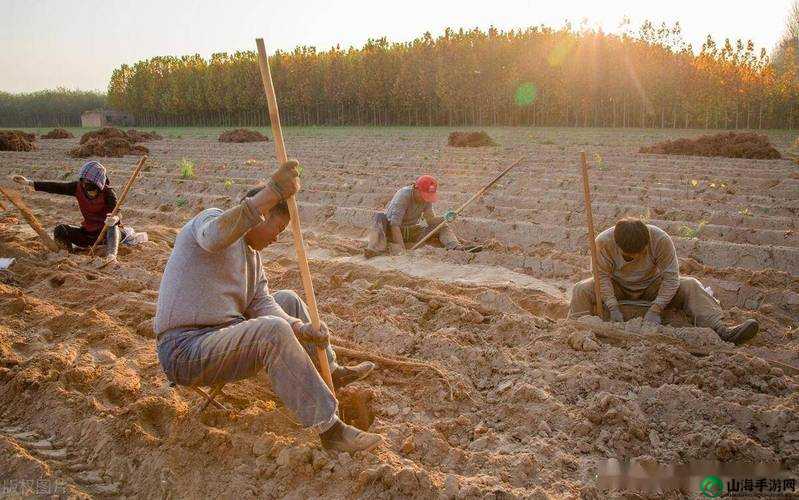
{"x":427,"y":185}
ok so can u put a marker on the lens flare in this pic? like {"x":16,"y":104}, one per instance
{"x":560,"y":52}
{"x":525,"y":94}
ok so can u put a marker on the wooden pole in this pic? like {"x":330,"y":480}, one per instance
{"x":121,"y":200}
{"x":469,"y":201}
{"x":296,"y":230}
{"x":591,"y":233}
{"x":16,"y":199}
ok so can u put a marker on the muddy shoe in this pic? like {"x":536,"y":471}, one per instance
{"x":343,"y":437}
{"x":368,"y":253}
{"x":740,"y":333}
{"x":344,"y":375}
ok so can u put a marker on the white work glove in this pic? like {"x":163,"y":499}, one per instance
{"x":305,"y":332}
{"x":653,"y":315}
{"x":111,"y":220}
{"x":396,"y":248}
{"x":21,"y":179}
{"x":615,"y":314}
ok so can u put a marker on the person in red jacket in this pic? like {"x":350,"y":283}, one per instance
{"x":96,"y":200}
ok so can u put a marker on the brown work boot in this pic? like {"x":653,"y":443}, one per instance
{"x":344,"y":375}
{"x":369,"y":253}
{"x":343,"y":437}
{"x":739,"y":334}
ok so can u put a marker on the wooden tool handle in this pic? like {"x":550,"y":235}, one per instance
{"x":296,"y":230}
{"x":16,"y":199}
{"x":120,"y":201}
{"x":591,"y":233}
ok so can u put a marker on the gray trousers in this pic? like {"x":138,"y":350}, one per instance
{"x":213,"y":355}
{"x":379,"y":233}
{"x":691,"y":297}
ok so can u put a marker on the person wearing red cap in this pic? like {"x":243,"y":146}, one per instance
{"x":399,"y":224}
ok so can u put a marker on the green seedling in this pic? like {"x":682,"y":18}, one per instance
{"x":690,"y":232}
{"x":228,"y":183}
{"x":745,"y":212}
{"x":181,"y":201}
{"x":599,"y":163}
{"x":186,"y":169}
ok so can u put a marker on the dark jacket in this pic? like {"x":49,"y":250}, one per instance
{"x":93,"y":211}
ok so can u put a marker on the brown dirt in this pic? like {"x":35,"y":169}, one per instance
{"x":242,"y":135}
{"x":58,"y":133}
{"x":470,"y":139}
{"x":109,"y":147}
{"x":537,"y":401}
{"x":728,"y":145}
{"x":16,"y":140}
{"x":103,"y":134}
{"x":141,"y":136}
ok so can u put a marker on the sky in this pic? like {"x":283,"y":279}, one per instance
{"x":77,"y":44}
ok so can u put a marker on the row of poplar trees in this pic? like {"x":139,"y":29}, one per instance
{"x":46,"y":108}
{"x":536,"y":76}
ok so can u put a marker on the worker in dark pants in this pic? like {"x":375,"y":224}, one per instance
{"x":96,"y":200}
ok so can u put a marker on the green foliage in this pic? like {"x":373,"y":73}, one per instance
{"x":533,"y":76}
{"x":692,"y":233}
{"x":59,"y":107}
{"x":186,"y":168}
{"x":181,"y":201}
{"x":228,"y":183}
{"x":599,"y":163}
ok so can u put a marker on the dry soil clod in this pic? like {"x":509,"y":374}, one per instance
{"x":728,"y":145}
{"x":242,"y":135}
{"x":470,"y":139}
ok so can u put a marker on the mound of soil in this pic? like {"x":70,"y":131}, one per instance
{"x":16,"y":140}
{"x":470,"y":139}
{"x":242,"y":135}
{"x":103,"y":134}
{"x":140,"y":136}
{"x":58,"y":133}
{"x":112,"y":146}
{"x":728,"y":145}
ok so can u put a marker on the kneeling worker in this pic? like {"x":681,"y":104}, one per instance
{"x":96,"y":200}
{"x":399,"y":224}
{"x":638,"y":261}
{"x":217,"y":322}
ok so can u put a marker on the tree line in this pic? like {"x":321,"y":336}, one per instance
{"x":59,"y":107}
{"x":535,"y":76}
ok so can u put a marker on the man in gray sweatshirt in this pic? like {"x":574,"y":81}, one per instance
{"x":217,"y":322}
{"x":638,"y":261}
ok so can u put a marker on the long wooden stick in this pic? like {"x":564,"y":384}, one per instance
{"x":16,"y":199}
{"x":296,"y":230}
{"x":121,"y":200}
{"x":591,"y":233}
{"x":469,"y":201}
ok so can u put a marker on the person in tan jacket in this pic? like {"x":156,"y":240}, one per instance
{"x":637,"y":261}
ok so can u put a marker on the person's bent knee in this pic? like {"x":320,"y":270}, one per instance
{"x":690,"y":284}
{"x":286,"y":296}
{"x":60,"y":232}
{"x":271,"y":327}
{"x":584,"y":287}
